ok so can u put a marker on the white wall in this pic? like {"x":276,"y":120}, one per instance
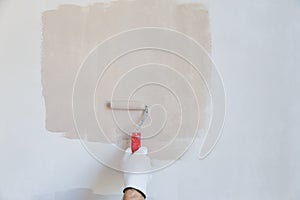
{"x":256,"y":46}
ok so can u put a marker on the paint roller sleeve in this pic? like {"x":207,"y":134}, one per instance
{"x":127,"y":105}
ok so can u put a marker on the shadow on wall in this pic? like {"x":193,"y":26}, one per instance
{"x":76,"y":194}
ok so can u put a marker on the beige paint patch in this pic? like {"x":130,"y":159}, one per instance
{"x":70,"y":37}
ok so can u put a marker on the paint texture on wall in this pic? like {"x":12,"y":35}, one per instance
{"x":76,"y":91}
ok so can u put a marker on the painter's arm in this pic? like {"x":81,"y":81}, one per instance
{"x":132,"y":194}
{"x":136,"y":167}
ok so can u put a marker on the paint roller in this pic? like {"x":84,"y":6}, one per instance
{"x":127,"y":105}
{"x":132,"y":105}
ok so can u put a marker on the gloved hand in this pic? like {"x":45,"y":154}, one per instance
{"x":135,"y":167}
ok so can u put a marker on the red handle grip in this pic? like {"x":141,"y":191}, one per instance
{"x":135,"y":142}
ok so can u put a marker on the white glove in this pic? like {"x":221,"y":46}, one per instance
{"x":135,"y":167}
